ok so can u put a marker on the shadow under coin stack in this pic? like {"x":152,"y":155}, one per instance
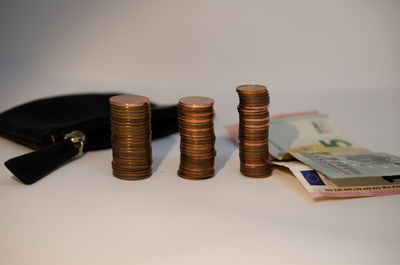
{"x":253,"y":131}
{"x":197,"y":137}
{"x":131,"y":137}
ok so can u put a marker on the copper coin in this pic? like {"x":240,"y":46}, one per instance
{"x":129,"y":101}
{"x":253,"y":130}
{"x":196,"y":129}
{"x":131,"y":136}
{"x":251,"y":89}
{"x":196,"y":102}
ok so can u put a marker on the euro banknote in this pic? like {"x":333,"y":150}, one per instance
{"x":302,"y":132}
{"x":315,"y":140}
{"x":343,"y":168}
{"x":320,"y":187}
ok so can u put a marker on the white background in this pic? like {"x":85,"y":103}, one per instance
{"x":339,"y":57}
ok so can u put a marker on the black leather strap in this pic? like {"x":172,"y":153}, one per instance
{"x":33,"y":166}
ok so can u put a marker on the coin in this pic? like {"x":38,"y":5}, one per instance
{"x":197,"y":144}
{"x":253,"y":130}
{"x":196,"y":103}
{"x":131,"y":137}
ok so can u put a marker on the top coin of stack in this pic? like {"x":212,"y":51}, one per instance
{"x":253,"y":130}
{"x":196,"y":129}
{"x":131,"y":137}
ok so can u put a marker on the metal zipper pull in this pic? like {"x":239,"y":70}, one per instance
{"x":78,"y":138}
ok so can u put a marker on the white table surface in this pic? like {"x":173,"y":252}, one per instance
{"x":81,"y":214}
{"x":339,"y":57}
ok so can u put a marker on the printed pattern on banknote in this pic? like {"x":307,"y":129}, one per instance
{"x":351,"y":164}
{"x":320,"y":187}
{"x":302,"y":132}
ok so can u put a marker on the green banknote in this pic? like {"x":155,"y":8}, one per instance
{"x":315,"y":140}
{"x":309,"y":133}
{"x":347,"y":165}
{"x":321,"y":187}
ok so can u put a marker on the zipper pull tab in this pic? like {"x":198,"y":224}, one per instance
{"x":78,"y":138}
{"x":33,"y":166}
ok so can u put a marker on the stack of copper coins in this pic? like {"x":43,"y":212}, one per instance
{"x":131,"y":137}
{"x":196,"y":129}
{"x":253,"y":130}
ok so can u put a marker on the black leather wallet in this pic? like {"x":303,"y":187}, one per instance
{"x":64,"y":127}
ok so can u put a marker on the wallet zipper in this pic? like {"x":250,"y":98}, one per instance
{"x":85,"y":128}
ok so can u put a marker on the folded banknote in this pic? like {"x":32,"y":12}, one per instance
{"x":315,"y":140}
{"x":352,"y":168}
{"x":320,"y":187}
{"x":302,"y":132}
